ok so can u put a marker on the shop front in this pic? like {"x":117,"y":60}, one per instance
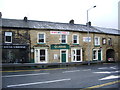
{"x":15,"y":54}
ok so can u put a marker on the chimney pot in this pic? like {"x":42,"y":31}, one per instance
{"x":71,"y":21}
{"x":25,"y":18}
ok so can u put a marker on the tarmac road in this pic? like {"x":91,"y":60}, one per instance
{"x":93,"y":76}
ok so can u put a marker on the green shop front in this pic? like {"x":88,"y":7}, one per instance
{"x":60,"y":52}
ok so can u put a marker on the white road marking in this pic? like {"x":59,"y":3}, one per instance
{"x":86,"y":70}
{"x":26,"y":84}
{"x":103,"y":68}
{"x":25,"y":75}
{"x":110,"y":77}
{"x":106,"y":72}
{"x":71,"y":71}
{"x":113,"y":67}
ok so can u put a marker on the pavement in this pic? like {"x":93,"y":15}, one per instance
{"x":105,"y":76}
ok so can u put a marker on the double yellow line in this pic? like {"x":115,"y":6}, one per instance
{"x":101,"y":85}
{"x":33,"y":70}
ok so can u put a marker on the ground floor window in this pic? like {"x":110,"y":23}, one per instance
{"x":97,"y":54}
{"x":40,"y":55}
{"x":14,"y":56}
{"x":76,"y":55}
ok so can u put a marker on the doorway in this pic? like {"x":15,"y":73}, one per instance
{"x":110,"y":55}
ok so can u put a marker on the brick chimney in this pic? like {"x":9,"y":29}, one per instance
{"x":71,"y":21}
{"x":89,"y":23}
{"x":25,"y":19}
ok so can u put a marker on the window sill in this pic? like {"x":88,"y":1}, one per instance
{"x":97,"y":45}
{"x":41,"y":43}
{"x":75,"y":44}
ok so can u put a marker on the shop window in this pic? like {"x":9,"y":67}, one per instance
{"x":75,"y":39}
{"x":63,"y":39}
{"x":41,"y":38}
{"x":110,"y":41}
{"x":97,"y":41}
{"x":76,"y":55}
{"x":8,"y":37}
{"x":40,"y":55}
{"x":104,"y":41}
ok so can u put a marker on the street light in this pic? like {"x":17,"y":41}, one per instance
{"x":89,"y":35}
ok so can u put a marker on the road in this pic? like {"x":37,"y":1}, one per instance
{"x":105,"y":75}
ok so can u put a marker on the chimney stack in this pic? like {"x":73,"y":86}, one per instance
{"x":25,"y":18}
{"x":89,"y":23}
{"x":71,"y":21}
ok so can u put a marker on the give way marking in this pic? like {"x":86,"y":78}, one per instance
{"x":110,"y":77}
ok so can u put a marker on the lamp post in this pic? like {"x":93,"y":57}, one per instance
{"x":89,"y":35}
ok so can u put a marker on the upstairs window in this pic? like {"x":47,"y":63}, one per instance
{"x":75,"y":39}
{"x":41,"y":38}
{"x":97,"y":41}
{"x":104,"y":41}
{"x":8,"y":37}
{"x":63,"y":38}
{"x":110,"y":41}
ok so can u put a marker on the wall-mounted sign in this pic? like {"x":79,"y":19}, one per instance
{"x":59,"y":32}
{"x":86,"y":39}
{"x":60,"y":46}
{"x":14,"y":46}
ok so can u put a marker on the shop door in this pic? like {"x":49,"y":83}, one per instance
{"x":63,"y":56}
{"x":99,"y":55}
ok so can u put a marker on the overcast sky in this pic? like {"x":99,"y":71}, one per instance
{"x":104,"y":15}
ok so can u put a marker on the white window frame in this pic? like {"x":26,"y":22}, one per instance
{"x":77,"y":38}
{"x":37,"y":55}
{"x":97,"y":43}
{"x":97,"y":54}
{"x":44,"y":38}
{"x":64,"y":39}
{"x":6,"y":34}
{"x":72,"y":55}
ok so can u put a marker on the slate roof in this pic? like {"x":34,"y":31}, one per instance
{"x":32,"y":24}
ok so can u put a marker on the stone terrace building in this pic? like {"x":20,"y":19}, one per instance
{"x":51,"y":42}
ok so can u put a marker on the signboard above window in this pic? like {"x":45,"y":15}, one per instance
{"x":59,"y":32}
{"x":85,"y":39}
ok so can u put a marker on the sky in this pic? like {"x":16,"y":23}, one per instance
{"x":104,"y":15}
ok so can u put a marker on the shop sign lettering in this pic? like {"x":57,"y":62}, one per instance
{"x":60,"y":46}
{"x":14,"y":46}
{"x":59,"y":32}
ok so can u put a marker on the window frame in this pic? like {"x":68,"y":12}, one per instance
{"x":64,"y":39}
{"x":9,"y":36}
{"x":97,"y":43}
{"x":42,"y":38}
{"x":74,"y":39}
{"x":37,"y":55}
{"x":74,"y":55}
{"x":104,"y":41}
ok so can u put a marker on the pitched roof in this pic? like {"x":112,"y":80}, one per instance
{"x":32,"y":24}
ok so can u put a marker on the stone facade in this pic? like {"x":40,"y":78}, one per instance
{"x":49,"y":42}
